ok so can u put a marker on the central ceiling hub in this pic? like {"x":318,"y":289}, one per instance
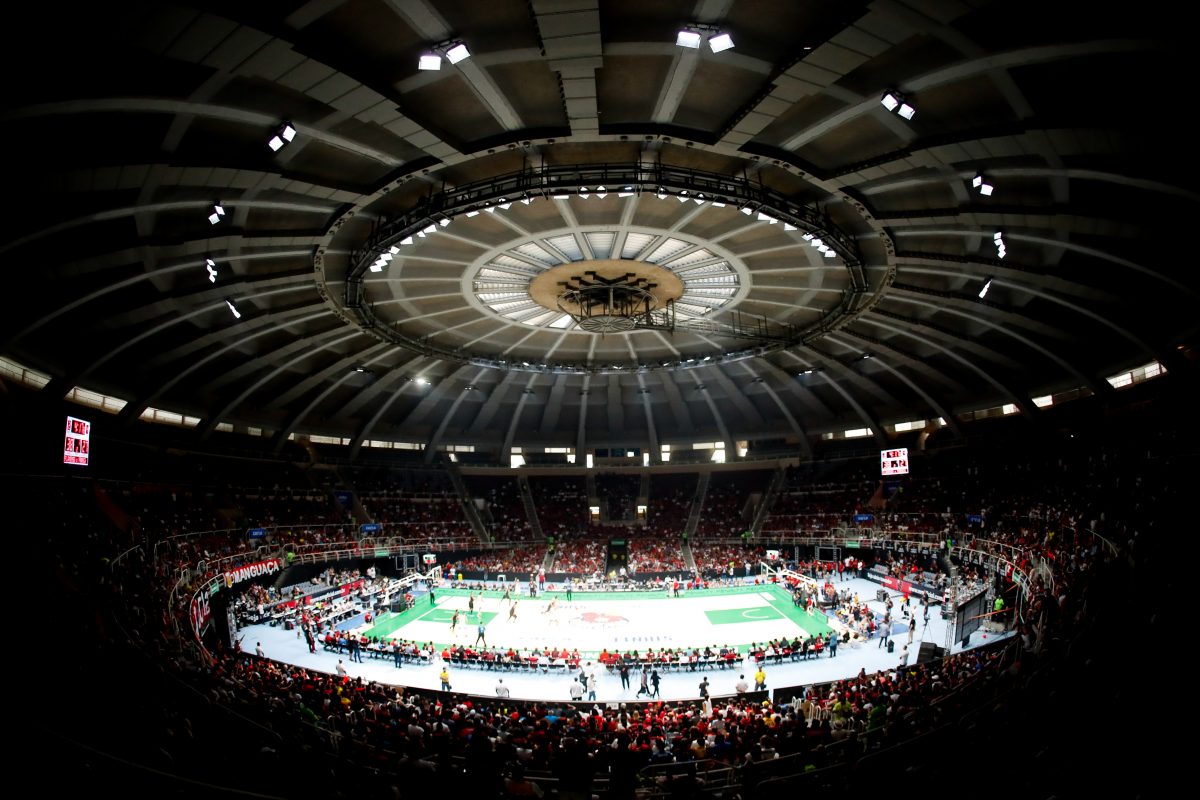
{"x":606,"y":295}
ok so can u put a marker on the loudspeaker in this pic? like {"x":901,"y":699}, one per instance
{"x":930,"y":652}
{"x":881,"y":595}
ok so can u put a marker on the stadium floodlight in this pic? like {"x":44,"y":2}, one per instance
{"x":661,"y":195}
{"x":211,"y":267}
{"x":830,"y":253}
{"x":601,"y":192}
{"x":233,"y":309}
{"x":717,"y":204}
{"x":561,"y":196}
{"x":276,"y":143}
{"x":787,"y":226}
{"x":505,"y":206}
{"x":444,"y":222}
{"x":894,"y":101}
{"x":376,"y":267}
{"x":721,"y":42}
{"x":422,"y":381}
{"x":288,"y":131}
{"x":983,"y":292}
{"x":429,"y":61}
{"x":217,"y":214}
{"x":472,"y":213}
{"x":807,"y":237}
{"x":997,"y":236}
{"x":767,"y":219}
{"x":430,"y":229}
{"x":747,"y":210}
{"x":457,"y":52}
{"x":526,"y":200}
{"x":980,"y":184}
{"x":406,"y":240}
{"x":688,"y":38}
{"x":393,"y":249}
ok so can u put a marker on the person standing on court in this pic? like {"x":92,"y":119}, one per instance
{"x":704,"y":689}
{"x":645,"y":678}
{"x":444,"y":677}
{"x":760,"y":680}
{"x":654,"y":681}
{"x":623,"y":669}
{"x":481,"y":635}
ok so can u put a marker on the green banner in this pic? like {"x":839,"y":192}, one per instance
{"x":383,"y":553}
{"x":850,"y":544}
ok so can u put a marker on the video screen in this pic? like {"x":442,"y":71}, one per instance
{"x":77,"y":445}
{"x":894,"y":462}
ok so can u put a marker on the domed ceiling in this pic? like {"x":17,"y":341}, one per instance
{"x":593,"y":224}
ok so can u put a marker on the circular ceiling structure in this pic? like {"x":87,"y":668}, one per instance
{"x":846,"y":216}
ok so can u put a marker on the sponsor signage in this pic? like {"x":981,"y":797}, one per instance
{"x":255,"y":570}
{"x":370,"y":527}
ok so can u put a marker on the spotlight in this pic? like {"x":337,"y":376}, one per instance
{"x":686,"y":38}
{"x":211,"y":266}
{"x":747,"y":211}
{"x":894,"y":101}
{"x":457,"y":52}
{"x":285,"y":134}
{"x":721,"y":42}
{"x":217,"y":213}
{"x":983,"y":292}
{"x":430,"y":61}
{"x":981,"y":184}
{"x":444,"y":222}
{"x":233,"y":309}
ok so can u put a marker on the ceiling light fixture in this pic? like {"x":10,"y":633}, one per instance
{"x":217,"y":214}
{"x":233,"y":309}
{"x":721,"y":42}
{"x":284,"y":136}
{"x":211,"y":266}
{"x":896,"y":102}
{"x":987,"y":285}
{"x":457,"y":52}
{"x":692,"y":36}
{"x":429,"y":62}
{"x":981,"y":184}
{"x":998,"y":239}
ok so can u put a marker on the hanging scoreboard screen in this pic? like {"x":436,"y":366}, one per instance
{"x":894,"y":462}
{"x":77,"y":446}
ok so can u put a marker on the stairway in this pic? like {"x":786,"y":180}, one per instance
{"x":693,"y":520}
{"x":467,"y":502}
{"x":768,"y":501}
{"x":530,"y":507}
{"x":689,"y":560}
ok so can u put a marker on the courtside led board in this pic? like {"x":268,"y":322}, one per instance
{"x":77,"y":446}
{"x":894,"y":462}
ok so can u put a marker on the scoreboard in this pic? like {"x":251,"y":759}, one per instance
{"x":894,"y":462}
{"x":77,"y":444}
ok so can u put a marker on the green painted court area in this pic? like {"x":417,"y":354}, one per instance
{"x":736,"y":616}
{"x":591,"y":621}
{"x":445,"y":615}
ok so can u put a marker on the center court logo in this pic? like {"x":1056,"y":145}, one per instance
{"x":597,"y":618}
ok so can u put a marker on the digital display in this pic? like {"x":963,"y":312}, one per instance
{"x":894,"y":462}
{"x":76,"y":447}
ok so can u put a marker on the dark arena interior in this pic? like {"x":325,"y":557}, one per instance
{"x":721,"y":333}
